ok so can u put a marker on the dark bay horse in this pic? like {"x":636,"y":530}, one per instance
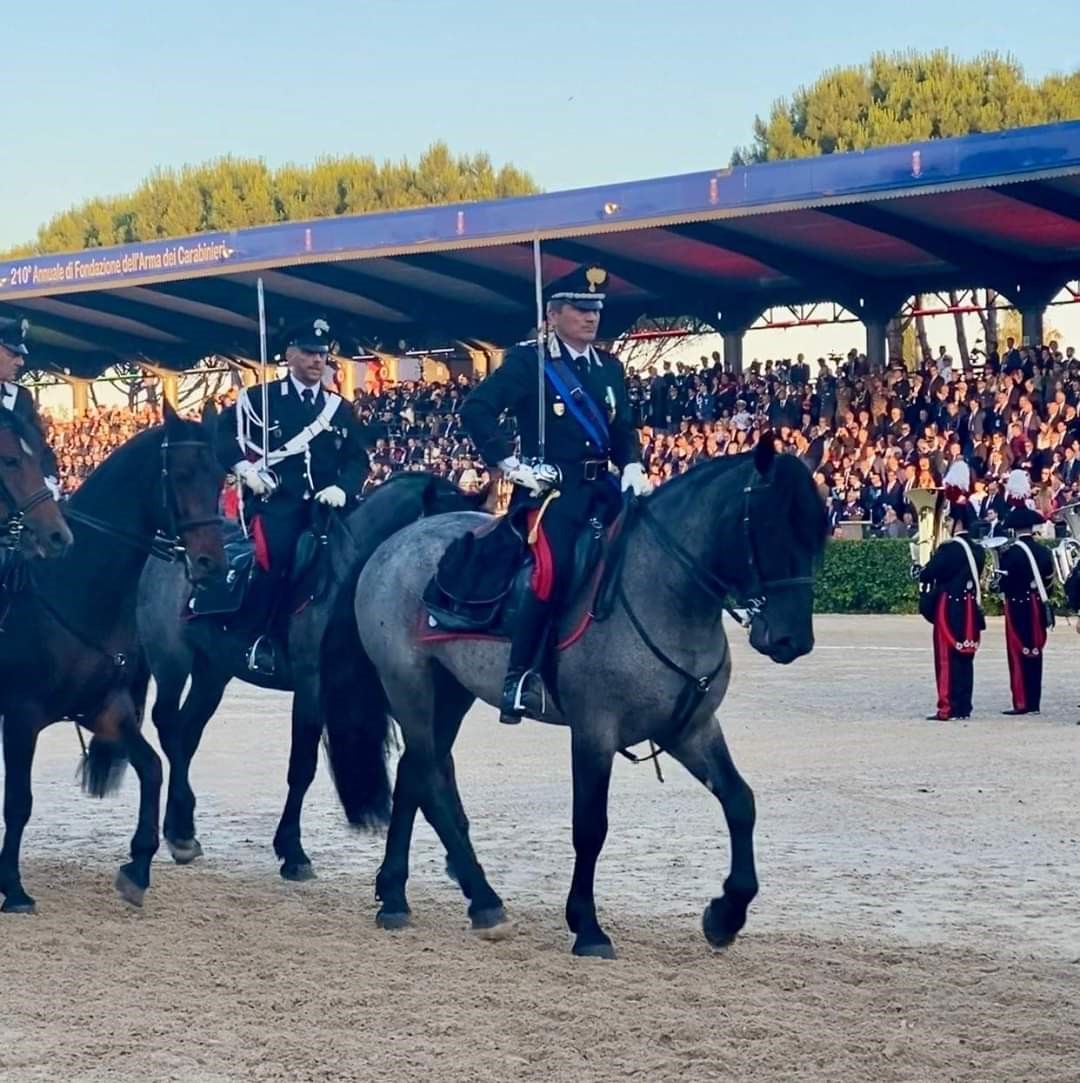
{"x":322,"y":648}
{"x":70,"y":646}
{"x":30,"y":520}
{"x":749,"y":528}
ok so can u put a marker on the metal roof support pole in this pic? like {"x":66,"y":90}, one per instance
{"x":876,"y":330}
{"x":1031,"y":298}
{"x":733,"y":320}
{"x":875,"y":310}
{"x":80,"y":395}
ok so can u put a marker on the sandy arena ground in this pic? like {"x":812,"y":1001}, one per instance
{"x":919,"y":918}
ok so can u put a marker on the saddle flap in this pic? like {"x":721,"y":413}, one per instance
{"x":226,"y":595}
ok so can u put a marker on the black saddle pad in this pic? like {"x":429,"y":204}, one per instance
{"x":479,"y":583}
{"x":475,"y":577}
{"x":227,"y":595}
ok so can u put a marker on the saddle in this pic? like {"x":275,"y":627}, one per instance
{"x":483,"y":576}
{"x":226,"y":597}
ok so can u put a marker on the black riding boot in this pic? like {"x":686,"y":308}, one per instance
{"x":257,"y":624}
{"x":523,"y":691}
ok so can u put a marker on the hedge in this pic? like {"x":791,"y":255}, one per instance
{"x":874,"y":576}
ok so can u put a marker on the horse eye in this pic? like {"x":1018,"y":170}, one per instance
{"x":10,"y":462}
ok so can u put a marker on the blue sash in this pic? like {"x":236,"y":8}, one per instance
{"x":579,"y":402}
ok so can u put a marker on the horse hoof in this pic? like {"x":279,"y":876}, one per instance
{"x":130,"y":891}
{"x":402,"y":919}
{"x":721,"y":923}
{"x":23,"y":905}
{"x":298,"y":872}
{"x":492,"y":924}
{"x":184,"y":851}
{"x":594,"y":949}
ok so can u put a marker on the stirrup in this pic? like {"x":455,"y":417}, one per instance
{"x":519,"y":692}
{"x":253,"y":657}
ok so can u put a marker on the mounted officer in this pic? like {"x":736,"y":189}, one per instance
{"x":587,"y":425}
{"x":316,"y":456}
{"x":13,"y":352}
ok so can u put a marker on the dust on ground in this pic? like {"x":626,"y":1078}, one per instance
{"x":919,"y":917}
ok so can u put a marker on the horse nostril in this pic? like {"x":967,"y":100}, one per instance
{"x":57,"y":539}
{"x":204,"y":563}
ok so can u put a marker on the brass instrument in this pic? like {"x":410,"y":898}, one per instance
{"x":932,"y":526}
{"x":1066,"y":553}
{"x":991,"y":546}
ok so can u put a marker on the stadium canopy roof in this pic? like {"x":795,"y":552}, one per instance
{"x":866,"y":229}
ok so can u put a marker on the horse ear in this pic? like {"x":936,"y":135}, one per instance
{"x":209,"y":415}
{"x":765,"y":452}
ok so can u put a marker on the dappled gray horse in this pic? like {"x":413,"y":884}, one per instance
{"x":747,"y":529}
{"x":322,"y":647}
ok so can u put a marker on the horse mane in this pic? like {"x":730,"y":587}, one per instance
{"x":808,"y":522}
{"x":137,"y":445}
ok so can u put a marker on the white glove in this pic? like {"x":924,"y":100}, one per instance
{"x":53,"y":486}
{"x":250,"y":475}
{"x":333,"y":495}
{"x":521,"y":474}
{"x":634,"y":477}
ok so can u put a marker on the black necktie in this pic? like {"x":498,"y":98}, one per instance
{"x":309,"y":397}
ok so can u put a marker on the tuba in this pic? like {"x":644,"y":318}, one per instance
{"x":1066,"y":553}
{"x":932,"y":526}
{"x":992,"y":546}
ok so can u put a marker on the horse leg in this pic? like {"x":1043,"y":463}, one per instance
{"x":303,"y":761}
{"x":453,"y":701}
{"x":181,"y":730}
{"x":394,"y":912}
{"x":592,"y":779}
{"x":704,"y":753}
{"x":21,"y":728}
{"x":426,"y":780}
{"x":133,"y":879}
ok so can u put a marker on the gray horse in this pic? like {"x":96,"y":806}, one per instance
{"x":748,"y":528}
{"x":322,"y":644}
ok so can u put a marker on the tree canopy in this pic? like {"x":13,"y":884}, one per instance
{"x":908,"y":97}
{"x":230,"y":193}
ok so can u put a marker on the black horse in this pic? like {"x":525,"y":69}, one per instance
{"x":71,"y":649}
{"x":322,"y":647}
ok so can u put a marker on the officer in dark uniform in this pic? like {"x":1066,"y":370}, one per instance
{"x":953,"y":575}
{"x":316,"y":456}
{"x":13,"y":352}
{"x":1026,"y":566}
{"x":587,"y":425}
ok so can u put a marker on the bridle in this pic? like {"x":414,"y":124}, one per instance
{"x":165,"y":545}
{"x":11,"y":531}
{"x":751,"y":598}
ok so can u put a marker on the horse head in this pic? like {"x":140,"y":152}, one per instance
{"x":785,"y":535}
{"x":191,"y":479}
{"x":26,"y":504}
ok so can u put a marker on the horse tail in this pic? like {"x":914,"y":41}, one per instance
{"x":102,"y":768}
{"x":357,"y":731}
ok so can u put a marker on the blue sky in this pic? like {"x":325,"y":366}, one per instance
{"x":97,"y":95}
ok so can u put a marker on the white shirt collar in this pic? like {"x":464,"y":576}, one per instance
{"x":576,"y":354}
{"x":301,"y":388}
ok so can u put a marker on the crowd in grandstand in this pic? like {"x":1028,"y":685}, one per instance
{"x":871,"y":436}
